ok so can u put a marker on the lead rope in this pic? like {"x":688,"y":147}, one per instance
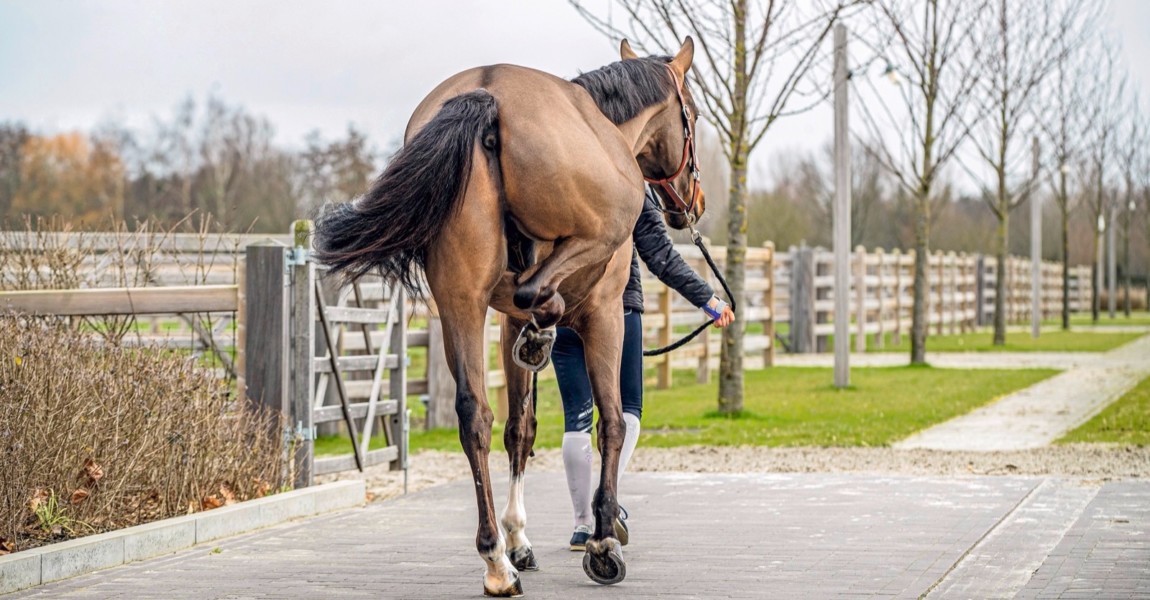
{"x":698,"y":239}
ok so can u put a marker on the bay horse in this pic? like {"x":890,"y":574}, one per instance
{"x":519,"y":190}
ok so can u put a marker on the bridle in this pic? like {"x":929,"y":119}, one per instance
{"x":688,"y":208}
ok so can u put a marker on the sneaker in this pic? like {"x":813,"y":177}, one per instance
{"x":621,"y":532}
{"x":580,"y":537}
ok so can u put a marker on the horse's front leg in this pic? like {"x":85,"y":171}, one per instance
{"x":602,"y":334}
{"x":519,"y":438}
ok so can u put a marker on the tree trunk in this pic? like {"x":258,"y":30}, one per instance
{"x":1000,"y":242}
{"x":731,"y":357}
{"x":1095,"y":299}
{"x":1126,"y":266}
{"x":918,"y":322}
{"x":1065,"y":265}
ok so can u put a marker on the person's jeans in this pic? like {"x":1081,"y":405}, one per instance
{"x":574,"y":385}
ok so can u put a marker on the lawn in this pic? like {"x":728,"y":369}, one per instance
{"x":1083,"y":318}
{"x":1126,"y":421}
{"x":1019,"y":341}
{"x":783,"y":407}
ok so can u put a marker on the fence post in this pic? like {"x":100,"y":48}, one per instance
{"x":703,"y":372}
{"x":241,"y":332}
{"x":769,"y":302}
{"x":440,"y":383}
{"x":896,"y":336}
{"x":803,"y":300}
{"x":880,"y":295}
{"x":860,"y":299}
{"x":979,"y":289}
{"x":397,"y":380}
{"x":664,"y":368}
{"x":940,"y":308}
{"x":265,"y":330}
{"x":952,"y":269}
{"x":302,"y":363}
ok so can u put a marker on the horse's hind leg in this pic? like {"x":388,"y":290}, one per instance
{"x":519,"y":438}
{"x":462,"y":269}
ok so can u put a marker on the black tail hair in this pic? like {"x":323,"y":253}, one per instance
{"x":392,"y":225}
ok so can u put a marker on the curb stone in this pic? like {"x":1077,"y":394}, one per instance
{"x":22,"y":570}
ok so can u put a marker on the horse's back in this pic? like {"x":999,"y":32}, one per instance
{"x":565,"y":167}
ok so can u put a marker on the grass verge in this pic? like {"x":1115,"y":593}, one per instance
{"x":1048,"y":341}
{"x":783,"y":407}
{"x":1126,"y":421}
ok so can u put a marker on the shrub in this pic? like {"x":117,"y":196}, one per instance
{"x":96,"y":437}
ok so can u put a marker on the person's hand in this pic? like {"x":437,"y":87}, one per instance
{"x":719,"y":311}
{"x":726,"y":318}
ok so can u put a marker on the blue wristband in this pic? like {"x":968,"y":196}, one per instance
{"x":716,"y":312}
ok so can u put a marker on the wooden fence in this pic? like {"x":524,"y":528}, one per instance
{"x":960,"y":296}
{"x":193,"y":273}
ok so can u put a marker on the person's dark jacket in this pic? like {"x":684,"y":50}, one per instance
{"x":655,"y":247}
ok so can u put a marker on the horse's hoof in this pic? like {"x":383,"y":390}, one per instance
{"x":532,"y":349}
{"x":603,"y":562}
{"x":523,"y":559}
{"x":515,"y":590}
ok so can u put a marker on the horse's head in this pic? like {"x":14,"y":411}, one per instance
{"x":668,"y":159}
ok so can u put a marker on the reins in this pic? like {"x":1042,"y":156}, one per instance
{"x":698,"y":239}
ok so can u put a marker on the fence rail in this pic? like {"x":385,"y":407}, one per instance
{"x":192,"y":273}
{"x":960,"y":296}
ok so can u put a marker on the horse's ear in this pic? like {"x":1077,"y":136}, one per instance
{"x":682,"y":60}
{"x":625,"y":50}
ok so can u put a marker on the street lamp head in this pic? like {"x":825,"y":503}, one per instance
{"x":891,"y":73}
{"x":1131,"y":206}
{"x":1101,"y":224}
{"x":1065,"y":168}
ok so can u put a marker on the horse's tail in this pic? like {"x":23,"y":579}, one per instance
{"x":392,"y":225}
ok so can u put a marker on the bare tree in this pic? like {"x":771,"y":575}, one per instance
{"x":935,"y":45}
{"x":1104,"y":97}
{"x":751,"y":68}
{"x":1132,"y":148}
{"x":1063,"y":109}
{"x":1026,"y":39}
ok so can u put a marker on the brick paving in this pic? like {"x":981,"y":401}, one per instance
{"x":757,"y":535}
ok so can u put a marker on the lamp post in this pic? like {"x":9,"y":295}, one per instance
{"x":1035,"y":251}
{"x":1097,"y":300}
{"x":842,"y":212}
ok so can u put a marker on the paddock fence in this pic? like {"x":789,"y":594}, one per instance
{"x":197,"y":292}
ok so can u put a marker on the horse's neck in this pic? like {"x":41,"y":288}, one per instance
{"x":636,"y":132}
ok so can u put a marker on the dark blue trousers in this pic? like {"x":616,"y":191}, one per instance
{"x":574,"y":385}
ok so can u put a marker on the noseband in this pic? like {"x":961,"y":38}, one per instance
{"x":688,"y":208}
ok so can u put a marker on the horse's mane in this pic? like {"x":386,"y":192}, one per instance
{"x":623,"y":89}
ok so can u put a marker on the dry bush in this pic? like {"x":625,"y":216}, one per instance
{"x":96,"y":437}
{"x":39,"y":253}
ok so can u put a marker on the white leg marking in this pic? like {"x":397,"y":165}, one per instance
{"x":514,"y":519}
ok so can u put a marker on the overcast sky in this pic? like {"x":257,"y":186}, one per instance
{"x":321,"y":64}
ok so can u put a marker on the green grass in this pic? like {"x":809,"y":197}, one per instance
{"x":783,"y":407}
{"x":1104,"y":320}
{"x":1019,"y":341}
{"x":1126,"y":421}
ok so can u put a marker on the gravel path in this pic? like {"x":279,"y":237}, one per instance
{"x":1085,"y":461}
{"x":1036,"y":416}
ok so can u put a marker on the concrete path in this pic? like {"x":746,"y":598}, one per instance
{"x":1040,"y":414}
{"x":748,"y":536}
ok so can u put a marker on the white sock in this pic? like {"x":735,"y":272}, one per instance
{"x":577,"y":459}
{"x":630,"y":440}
